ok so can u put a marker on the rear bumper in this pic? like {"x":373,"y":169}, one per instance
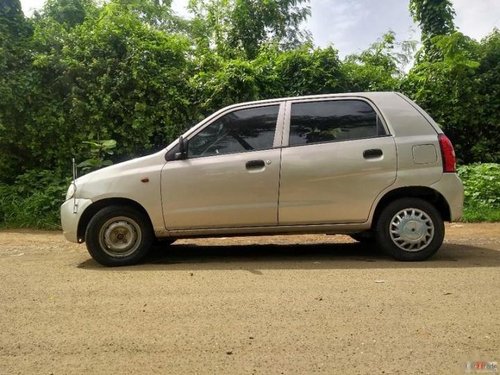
{"x":71,"y":211}
{"x":452,"y":189}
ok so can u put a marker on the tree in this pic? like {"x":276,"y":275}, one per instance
{"x":307,"y":70}
{"x":246,"y":25}
{"x":456,"y":80}
{"x":12,"y":22}
{"x":15,"y":32}
{"x":487,"y":147}
{"x":68,"y":12}
{"x":380,"y":67}
{"x":112,"y":76}
{"x":435,"y":17}
{"x":118,"y":78}
{"x":461,"y":92}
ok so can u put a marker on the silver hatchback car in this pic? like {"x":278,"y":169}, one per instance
{"x":372,"y":165}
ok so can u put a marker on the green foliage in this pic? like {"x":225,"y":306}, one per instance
{"x":274,"y":73}
{"x":306,"y":71}
{"x":112,"y":76}
{"x":380,"y":67}
{"x":461,"y":91}
{"x":229,"y":82}
{"x":481,"y":191}
{"x":254,"y":22}
{"x":99,"y":150}
{"x":242,"y":27}
{"x":68,"y":12}
{"x":136,"y":90}
{"x":12,"y":22}
{"x":34,"y":200}
{"x":481,"y":184}
{"x":481,"y":214}
{"x":435,"y":17}
{"x":15,"y":32}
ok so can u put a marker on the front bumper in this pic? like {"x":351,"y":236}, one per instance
{"x":71,"y":211}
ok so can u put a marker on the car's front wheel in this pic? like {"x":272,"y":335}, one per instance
{"x":410,"y":229}
{"x":119,"y":236}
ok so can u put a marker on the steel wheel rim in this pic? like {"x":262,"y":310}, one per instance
{"x":120,"y":236}
{"x":411,"y":229}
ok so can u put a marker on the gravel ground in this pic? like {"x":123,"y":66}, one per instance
{"x":262,"y":305}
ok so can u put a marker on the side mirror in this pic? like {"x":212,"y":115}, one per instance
{"x":179,"y":152}
{"x":182,"y":151}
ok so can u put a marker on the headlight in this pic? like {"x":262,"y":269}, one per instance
{"x":71,"y":191}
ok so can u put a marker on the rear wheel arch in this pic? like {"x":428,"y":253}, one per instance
{"x":95,"y":207}
{"x":426,"y":193}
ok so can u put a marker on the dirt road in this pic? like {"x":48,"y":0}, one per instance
{"x":268,"y":305}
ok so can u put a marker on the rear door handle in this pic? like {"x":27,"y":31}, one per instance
{"x":255,"y":164}
{"x":372,"y":153}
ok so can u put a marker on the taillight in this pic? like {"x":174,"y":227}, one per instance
{"x":448,"y":154}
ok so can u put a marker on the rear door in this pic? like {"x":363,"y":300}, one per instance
{"x":338,"y":160}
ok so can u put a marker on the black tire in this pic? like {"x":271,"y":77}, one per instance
{"x":363,"y":237}
{"x":119,"y":236}
{"x":410,"y":229}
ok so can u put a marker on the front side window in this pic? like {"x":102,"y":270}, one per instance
{"x":242,"y":130}
{"x":336,"y":120}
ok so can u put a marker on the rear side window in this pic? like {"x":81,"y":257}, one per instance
{"x":336,"y":120}
{"x":242,"y":130}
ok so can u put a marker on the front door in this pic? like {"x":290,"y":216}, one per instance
{"x":230,"y":177}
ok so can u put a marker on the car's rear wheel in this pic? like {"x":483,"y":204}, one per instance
{"x":119,"y":236}
{"x":410,"y":229}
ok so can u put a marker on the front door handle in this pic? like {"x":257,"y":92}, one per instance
{"x":255,"y":164}
{"x":373,"y":153}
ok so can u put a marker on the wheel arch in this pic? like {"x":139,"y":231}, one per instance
{"x":99,"y":205}
{"x":423,"y":192}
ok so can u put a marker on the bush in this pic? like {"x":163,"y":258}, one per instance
{"x":481,"y":191}
{"x":481,"y":184}
{"x":33,"y":201}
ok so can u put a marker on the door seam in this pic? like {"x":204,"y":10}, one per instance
{"x":281,"y":164}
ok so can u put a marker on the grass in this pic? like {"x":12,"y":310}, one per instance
{"x":481,"y":214}
{"x":37,"y":211}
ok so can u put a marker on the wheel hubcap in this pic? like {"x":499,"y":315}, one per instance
{"x":120,"y":236}
{"x":411,"y":229}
